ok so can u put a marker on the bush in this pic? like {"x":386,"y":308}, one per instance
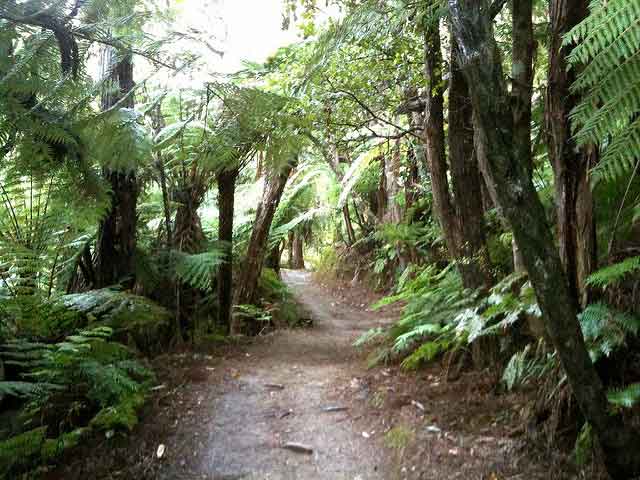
{"x":66,"y":389}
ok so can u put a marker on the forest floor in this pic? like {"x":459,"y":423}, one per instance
{"x":228,"y":413}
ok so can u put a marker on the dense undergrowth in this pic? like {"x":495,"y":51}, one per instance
{"x":84,"y":371}
{"x":441,"y":321}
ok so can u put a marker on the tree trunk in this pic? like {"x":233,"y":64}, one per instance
{"x":508,"y":177}
{"x":474,"y":263}
{"x":258,"y":244}
{"x":364,"y":228}
{"x":290,"y":240}
{"x":158,"y":123}
{"x":116,"y":239}
{"x":381,"y":192}
{"x":521,"y":92}
{"x":348,"y":225}
{"x":587,"y":258}
{"x":392,"y":181}
{"x":434,"y":139}
{"x":298,"y":252}
{"x":272,"y":260}
{"x":226,"y":201}
{"x":188,"y":235}
{"x":570,"y":165}
{"x":411,"y":190}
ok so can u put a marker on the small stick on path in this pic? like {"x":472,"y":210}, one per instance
{"x":298,"y":448}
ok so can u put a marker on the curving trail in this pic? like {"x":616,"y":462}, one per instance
{"x":254,"y":418}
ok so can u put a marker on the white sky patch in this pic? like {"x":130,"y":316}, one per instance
{"x":254,"y":31}
{"x":248,"y":30}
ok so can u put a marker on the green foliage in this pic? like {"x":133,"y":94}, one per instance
{"x":626,"y":397}
{"x":32,"y":316}
{"x":327,"y":264}
{"x":22,"y":450}
{"x":607,"y":43}
{"x":426,"y":329}
{"x":429,"y":351}
{"x":440,"y":316}
{"x":252,"y":313}
{"x":583,"y":449}
{"x":527,"y":365}
{"x":133,"y":318}
{"x":198,"y":270}
{"x":605,"y":329}
{"x":369,"y":336}
{"x":297,"y":210}
{"x":399,"y":437}
{"x":84,"y":362}
{"x":83,"y":376}
{"x":278,"y":302}
{"x":614,"y":273}
{"x":121,"y":142}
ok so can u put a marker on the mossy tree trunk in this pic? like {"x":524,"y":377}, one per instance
{"x":521,"y":92}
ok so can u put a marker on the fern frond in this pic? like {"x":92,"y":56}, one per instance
{"x":369,"y":336}
{"x":626,"y":397}
{"x":198,"y":270}
{"x":607,"y":47}
{"x":606,"y":329}
{"x":613,"y":273}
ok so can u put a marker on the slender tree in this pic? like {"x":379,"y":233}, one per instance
{"x":434,"y":137}
{"x":574,"y":202}
{"x":226,"y":180}
{"x":474,"y":263}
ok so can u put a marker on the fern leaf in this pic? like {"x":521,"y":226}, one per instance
{"x":613,"y":273}
{"x":626,"y":397}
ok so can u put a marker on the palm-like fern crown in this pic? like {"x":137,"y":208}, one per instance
{"x":52,"y":139}
{"x":608,"y":53}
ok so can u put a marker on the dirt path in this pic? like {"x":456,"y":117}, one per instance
{"x":254,"y":417}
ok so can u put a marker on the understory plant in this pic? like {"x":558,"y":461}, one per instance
{"x":65,"y":390}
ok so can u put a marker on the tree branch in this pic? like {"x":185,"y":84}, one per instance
{"x":69,"y":58}
{"x":375,"y":116}
{"x":496,"y":8}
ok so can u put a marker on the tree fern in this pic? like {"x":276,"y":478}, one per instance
{"x":614,"y":273}
{"x":607,"y":51}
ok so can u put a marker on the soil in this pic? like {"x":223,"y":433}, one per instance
{"x":229,"y":412}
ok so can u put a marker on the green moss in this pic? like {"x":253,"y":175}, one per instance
{"x":378,"y":398}
{"x":398,"y":438}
